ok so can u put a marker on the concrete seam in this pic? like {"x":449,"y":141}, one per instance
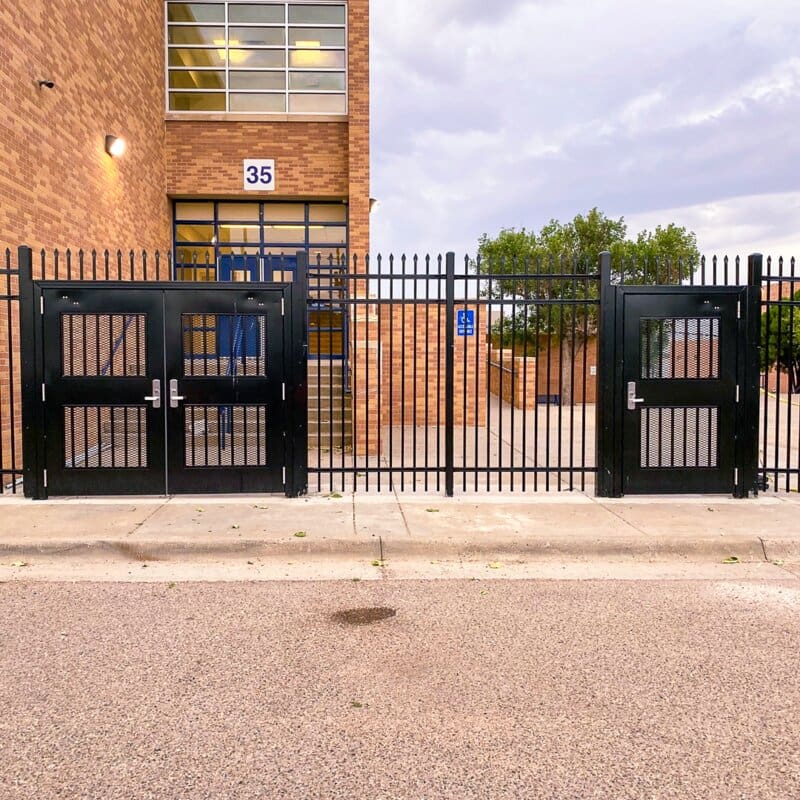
{"x":619,"y":516}
{"x":764,"y":548}
{"x":138,"y":525}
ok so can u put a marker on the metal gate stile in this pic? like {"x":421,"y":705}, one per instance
{"x":163,"y":388}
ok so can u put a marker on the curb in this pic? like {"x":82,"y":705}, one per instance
{"x":747,"y":548}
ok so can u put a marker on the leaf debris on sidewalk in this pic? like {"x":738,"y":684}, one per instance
{"x":380,"y":563}
{"x":300,"y":535}
{"x":732,"y":560}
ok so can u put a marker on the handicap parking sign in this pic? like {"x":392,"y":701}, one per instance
{"x":465,"y":321}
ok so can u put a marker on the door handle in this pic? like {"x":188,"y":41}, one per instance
{"x":155,"y":397}
{"x":633,"y":400}
{"x":174,"y":397}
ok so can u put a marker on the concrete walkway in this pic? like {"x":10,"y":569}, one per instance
{"x":51,"y":538}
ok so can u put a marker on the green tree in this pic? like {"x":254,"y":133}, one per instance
{"x":569,"y":252}
{"x":780,"y":339}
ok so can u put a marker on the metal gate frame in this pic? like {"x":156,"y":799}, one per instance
{"x":32,"y":346}
{"x":611,"y":389}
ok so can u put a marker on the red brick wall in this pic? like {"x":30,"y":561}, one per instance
{"x":58,"y":187}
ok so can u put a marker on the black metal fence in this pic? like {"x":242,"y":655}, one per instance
{"x":455,"y":375}
{"x":780,"y":389}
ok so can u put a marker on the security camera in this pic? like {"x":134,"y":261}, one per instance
{"x":46,"y":84}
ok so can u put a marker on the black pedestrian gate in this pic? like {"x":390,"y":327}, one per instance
{"x":678,"y":410}
{"x":164,"y":388}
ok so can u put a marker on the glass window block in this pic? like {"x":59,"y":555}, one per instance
{"x":197,"y":34}
{"x":251,"y":36}
{"x":196,"y":79}
{"x":242,"y":79}
{"x":185,"y":101}
{"x":196,"y":12}
{"x":312,"y":38}
{"x":196,"y":57}
{"x":316,"y":14}
{"x":318,"y":103}
{"x":267,"y":13}
{"x":252,"y":103}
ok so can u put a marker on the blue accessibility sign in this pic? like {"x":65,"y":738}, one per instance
{"x":465,"y":322}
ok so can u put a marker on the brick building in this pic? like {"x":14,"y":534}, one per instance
{"x":246,"y":132}
{"x":194,"y":89}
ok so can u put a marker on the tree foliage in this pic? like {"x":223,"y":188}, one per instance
{"x":566,"y":255}
{"x":546,"y":280}
{"x":780,"y":339}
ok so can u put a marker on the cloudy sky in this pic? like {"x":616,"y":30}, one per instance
{"x":492,"y":113}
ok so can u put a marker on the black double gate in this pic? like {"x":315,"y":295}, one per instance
{"x":164,"y":388}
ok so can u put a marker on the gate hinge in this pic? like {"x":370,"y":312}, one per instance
{"x":283,"y":392}
{"x":44,"y":478}
{"x":737,"y":394}
{"x":736,"y":476}
{"x":283,"y":307}
{"x":738,"y":309}
{"x":284,"y":476}
{"x":44,"y":393}
{"x":41,"y":305}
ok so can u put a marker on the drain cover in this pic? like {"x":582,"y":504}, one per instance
{"x":363,"y":616}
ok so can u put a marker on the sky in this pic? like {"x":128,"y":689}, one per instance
{"x":508,"y":113}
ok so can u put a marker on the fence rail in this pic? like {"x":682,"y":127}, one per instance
{"x":438,"y":374}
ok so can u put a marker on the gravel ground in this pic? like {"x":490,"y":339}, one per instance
{"x":474,"y":689}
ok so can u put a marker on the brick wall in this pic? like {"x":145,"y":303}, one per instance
{"x":407,"y":372}
{"x":513,"y":378}
{"x":58,"y":187}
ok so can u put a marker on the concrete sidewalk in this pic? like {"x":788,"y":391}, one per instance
{"x":543,"y":527}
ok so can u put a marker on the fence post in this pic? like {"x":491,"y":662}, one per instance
{"x":33,"y":484}
{"x":607,"y":401}
{"x":449,"y":370}
{"x":297,"y":378}
{"x":747,"y":444}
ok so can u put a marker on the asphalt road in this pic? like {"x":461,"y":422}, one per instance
{"x":475,"y":689}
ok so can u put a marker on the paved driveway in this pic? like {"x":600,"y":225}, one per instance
{"x":475,"y":689}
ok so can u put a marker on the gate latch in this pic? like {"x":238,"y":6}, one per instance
{"x":155,"y":397}
{"x":633,"y":400}
{"x":174,"y":397}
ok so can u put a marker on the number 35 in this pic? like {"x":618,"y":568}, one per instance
{"x":256,"y":175}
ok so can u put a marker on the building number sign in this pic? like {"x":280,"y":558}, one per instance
{"x":259,"y":174}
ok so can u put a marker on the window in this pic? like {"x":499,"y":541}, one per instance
{"x":257,"y":57}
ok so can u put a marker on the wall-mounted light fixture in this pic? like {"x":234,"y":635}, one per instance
{"x":115,"y":146}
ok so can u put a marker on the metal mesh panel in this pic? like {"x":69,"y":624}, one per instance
{"x":113,"y":437}
{"x":679,"y":438}
{"x":680,"y":348}
{"x":216,"y":345}
{"x":226,"y":436}
{"x":99,"y":345}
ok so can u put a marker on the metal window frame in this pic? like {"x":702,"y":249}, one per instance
{"x":287,"y":93}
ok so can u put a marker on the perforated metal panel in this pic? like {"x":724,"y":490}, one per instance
{"x":679,"y":438}
{"x":681,"y":349}
{"x":99,"y":345}
{"x":226,"y":436}
{"x":105,"y":437}
{"x":216,"y":345}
